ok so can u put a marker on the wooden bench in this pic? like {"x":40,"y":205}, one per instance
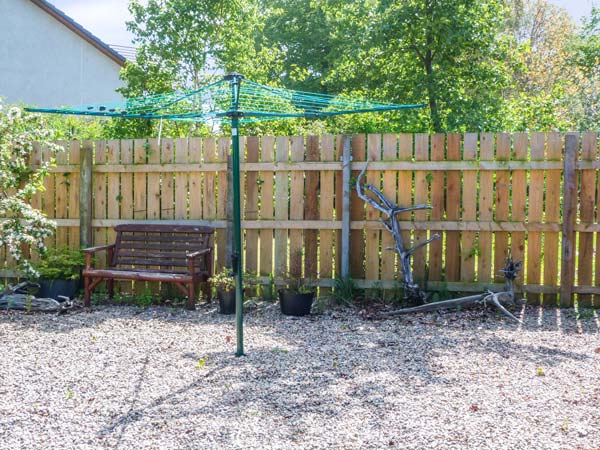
{"x":179,"y":254}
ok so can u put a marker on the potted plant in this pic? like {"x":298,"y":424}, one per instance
{"x":60,"y":272}
{"x":297,"y":297}
{"x":224,"y":282}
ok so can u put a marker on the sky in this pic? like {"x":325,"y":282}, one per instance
{"x":106,"y":18}
{"x":103,"y":18}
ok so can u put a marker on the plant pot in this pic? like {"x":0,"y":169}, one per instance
{"x":226,"y":301}
{"x":295,"y":303}
{"x":55,"y":288}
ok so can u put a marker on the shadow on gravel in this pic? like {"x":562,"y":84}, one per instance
{"x":343,"y":358}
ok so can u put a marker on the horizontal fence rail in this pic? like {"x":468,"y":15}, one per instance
{"x":491,"y":195}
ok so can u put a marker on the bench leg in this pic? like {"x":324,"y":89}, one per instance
{"x":88,"y":292}
{"x":206,"y":290}
{"x":191,"y":300}
{"x":110,"y":285}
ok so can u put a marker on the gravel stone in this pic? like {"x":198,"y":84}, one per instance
{"x":163,"y":378}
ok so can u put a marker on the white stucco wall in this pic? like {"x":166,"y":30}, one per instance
{"x":44,"y":63}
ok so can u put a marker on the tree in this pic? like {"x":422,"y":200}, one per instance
{"x":544,"y":79}
{"x":586,"y":57}
{"x":446,"y":52}
{"x":21,"y":225}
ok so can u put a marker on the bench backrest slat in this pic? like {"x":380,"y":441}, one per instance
{"x":159,"y":246}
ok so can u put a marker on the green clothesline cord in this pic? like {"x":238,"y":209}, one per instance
{"x":257,"y":102}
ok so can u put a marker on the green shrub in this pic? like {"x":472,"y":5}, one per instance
{"x":61,"y":263}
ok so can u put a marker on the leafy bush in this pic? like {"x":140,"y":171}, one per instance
{"x":21,"y":225}
{"x":61,"y":263}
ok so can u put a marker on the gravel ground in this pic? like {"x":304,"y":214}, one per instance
{"x":161,"y":378}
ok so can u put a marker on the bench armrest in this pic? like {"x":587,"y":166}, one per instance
{"x":90,"y":251}
{"x":194,"y":255}
{"x":99,"y":248}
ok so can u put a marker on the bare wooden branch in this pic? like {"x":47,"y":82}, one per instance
{"x":495,"y":298}
{"x":391,"y":223}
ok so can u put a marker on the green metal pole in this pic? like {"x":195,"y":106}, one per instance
{"x":237,"y":224}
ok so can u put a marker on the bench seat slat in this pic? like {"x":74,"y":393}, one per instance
{"x":137,"y":275}
{"x":161,"y":238}
{"x":151,"y":262}
{"x":179,"y":246}
{"x":164,"y":228}
{"x":153,"y":254}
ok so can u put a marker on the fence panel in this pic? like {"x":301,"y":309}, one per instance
{"x":490,"y":194}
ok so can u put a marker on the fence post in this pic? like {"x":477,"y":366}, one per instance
{"x":85,"y":195}
{"x":569,"y":207}
{"x":346,"y":181}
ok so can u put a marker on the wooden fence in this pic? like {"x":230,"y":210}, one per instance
{"x":490,"y":194}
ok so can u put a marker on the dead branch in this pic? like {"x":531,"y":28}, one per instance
{"x":391,"y":223}
{"x":495,"y":298}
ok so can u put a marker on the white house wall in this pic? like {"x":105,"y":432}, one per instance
{"x":44,"y":63}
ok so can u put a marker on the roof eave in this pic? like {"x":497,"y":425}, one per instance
{"x":80,"y":31}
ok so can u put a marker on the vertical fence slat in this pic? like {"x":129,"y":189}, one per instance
{"x":154,"y":188}
{"x":338,"y":200}
{"x":519,"y":201}
{"x":437,"y":207}
{"x":569,"y":208}
{"x":421,"y":197}
{"x":502,"y":206}
{"x":552,"y":215}
{"x":390,"y":190}
{"x":597,"y":219}
{"x":167,"y":181}
{"x":357,"y":212}
{"x":181,"y":180}
{"x":139,"y":180}
{"x":127,"y":205}
{"x":296,"y":206}
{"x":586,"y":216}
{"x":372,"y":235}
{"x":48,"y":196}
{"x":469,"y":246}
{"x":266,"y":206}
{"x":100,"y":197}
{"x":311,"y":209}
{"x":202,"y":196}
{"x":405,"y":188}
{"x":113,"y":198}
{"x":61,"y":194}
{"x":536,"y":204}
{"x":453,"y":210}
{"x":281,"y":207}
{"x":251,"y":206}
{"x":326,"y":211}
{"x":223,"y":146}
{"x":73,"y":213}
{"x":486,"y":196}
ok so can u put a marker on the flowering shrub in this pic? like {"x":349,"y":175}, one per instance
{"x":21,"y":225}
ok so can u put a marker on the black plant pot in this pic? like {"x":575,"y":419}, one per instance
{"x":55,"y":288}
{"x":294,"y":303}
{"x":226,"y":301}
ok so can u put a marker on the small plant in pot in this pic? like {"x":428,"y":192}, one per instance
{"x":60,"y":272}
{"x":224,"y":282}
{"x":297,"y":297}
